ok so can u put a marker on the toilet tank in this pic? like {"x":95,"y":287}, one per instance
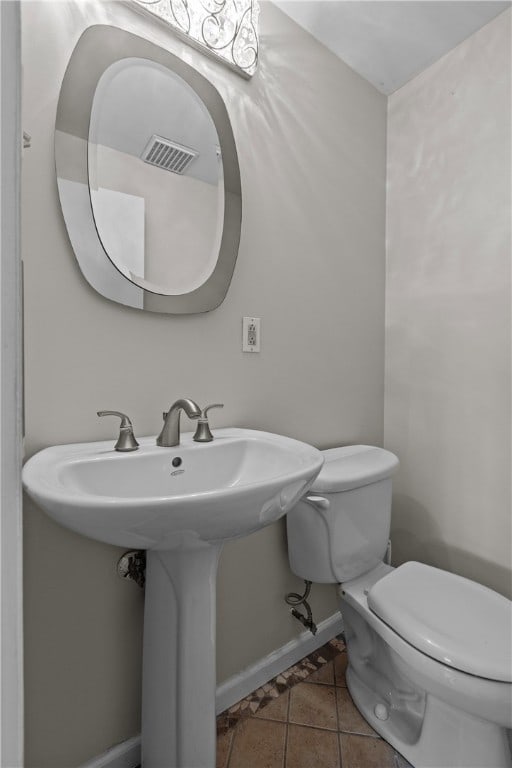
{"x":340,"y":529}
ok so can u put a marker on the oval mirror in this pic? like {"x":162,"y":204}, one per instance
{"x":148,"y":175}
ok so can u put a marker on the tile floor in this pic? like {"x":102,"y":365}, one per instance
{"x":314,"y":724}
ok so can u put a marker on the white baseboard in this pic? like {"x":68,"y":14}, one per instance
{"x":125,"y":755}
{"x":240,"y":685}
{"x":128,"y":754}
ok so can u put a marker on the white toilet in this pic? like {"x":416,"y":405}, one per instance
{"x":430,"y":653}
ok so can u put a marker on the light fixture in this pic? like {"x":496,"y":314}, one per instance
{"x":226,"y":28}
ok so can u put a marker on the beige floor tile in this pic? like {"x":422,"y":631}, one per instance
{"x":307,"y":747}
{"x":349,"y":718}
{"x":258,"y":744}
{"x":323,"y":675}
{"x":365,"y":752}
{"x":277,"y":709}
{"x":340,"y":666}
{"x":223,"y":747}
{"x":313,"y":705}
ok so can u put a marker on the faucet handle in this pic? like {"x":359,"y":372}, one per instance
{"x":209,"y":407}
{"x":126,"y":440}
{"x":203,"y":432}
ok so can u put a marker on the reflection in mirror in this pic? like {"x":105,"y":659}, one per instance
{"x":148,"y":175}
{"x":155,"y":177}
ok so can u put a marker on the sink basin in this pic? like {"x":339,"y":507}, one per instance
{"x":149,"y":498}
{"x":180,"y":504}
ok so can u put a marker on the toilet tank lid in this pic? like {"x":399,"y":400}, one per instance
{"x":354,"y":466}
{"x":449,"y":618}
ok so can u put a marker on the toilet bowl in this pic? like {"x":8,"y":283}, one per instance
{"x":429,"y":652}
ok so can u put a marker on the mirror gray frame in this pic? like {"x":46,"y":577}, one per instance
{"x":97,"y":49}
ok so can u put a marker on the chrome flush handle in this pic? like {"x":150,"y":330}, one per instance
{"x":126,"y":440}
{"x":320,"y":503}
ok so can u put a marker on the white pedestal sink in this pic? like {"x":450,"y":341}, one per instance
{"x":181,"y":515}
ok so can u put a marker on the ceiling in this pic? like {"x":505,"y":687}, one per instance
{"x":389,"y":42}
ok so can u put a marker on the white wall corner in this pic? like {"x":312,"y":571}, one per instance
{"x":11,"y":549}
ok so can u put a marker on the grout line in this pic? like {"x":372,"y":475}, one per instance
{"x":267,"y":719}
{"x":317,"y":727}
{"x":287,"y":728}
{"x":338,"y":737}
{"x":322,"y":728}
{"x":338,"y":685}
{"x":230,"y":749}
{"x":318,"y":682}
{"x":285,"y":750}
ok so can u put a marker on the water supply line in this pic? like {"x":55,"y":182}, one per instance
{"x":294,"y":599}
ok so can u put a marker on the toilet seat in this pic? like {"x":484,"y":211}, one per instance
{"x":447,"y":617}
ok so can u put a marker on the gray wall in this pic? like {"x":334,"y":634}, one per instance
{"x":311,"y":140}
{"x":448,"y":310}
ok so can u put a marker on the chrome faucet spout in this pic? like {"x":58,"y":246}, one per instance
{"x":170,"y":434}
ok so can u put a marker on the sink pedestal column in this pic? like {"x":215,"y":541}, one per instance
{"x":178,"y":677}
